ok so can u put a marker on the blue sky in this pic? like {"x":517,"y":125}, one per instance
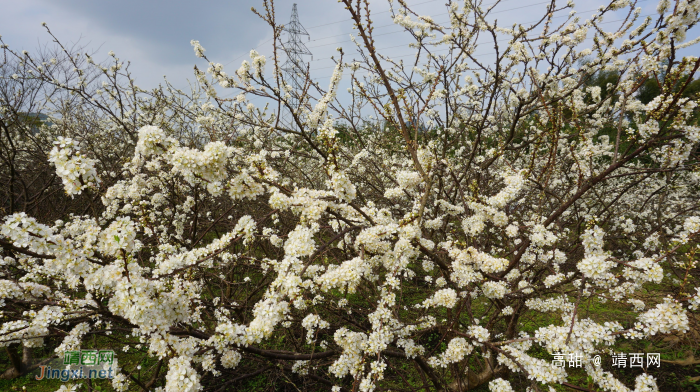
{"x":155,"y":35}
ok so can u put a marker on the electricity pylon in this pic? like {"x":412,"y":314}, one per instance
{"x":295,"y":67}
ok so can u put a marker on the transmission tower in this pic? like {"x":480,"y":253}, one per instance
{"x":295,"y":67}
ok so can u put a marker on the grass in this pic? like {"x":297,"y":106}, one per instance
{"x":670,"y":377}
{"x":127,"y":360}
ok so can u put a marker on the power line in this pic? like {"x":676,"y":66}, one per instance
{"x":326,"y":24}
{"x":448,"y":49}
{"x":411,"y":5}
{"x":387,"y":25}
{"x":394,"y":24}
{"x":476,"y":55}
{"x":501,"y":40}
{"x":380,"y":12}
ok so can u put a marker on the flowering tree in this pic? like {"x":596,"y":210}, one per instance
{"x":343,"y":251}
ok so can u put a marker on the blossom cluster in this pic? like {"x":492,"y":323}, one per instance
{"x":75,"y":169}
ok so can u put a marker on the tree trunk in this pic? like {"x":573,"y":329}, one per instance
{"x":473,"y":379}
{"x":19,"y":365}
